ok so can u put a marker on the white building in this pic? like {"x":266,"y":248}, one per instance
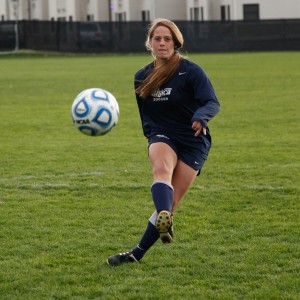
{"x":146,"y":10}
{"x":221,"y":10}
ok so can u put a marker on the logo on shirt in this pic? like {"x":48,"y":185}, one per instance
{"x":160,"y":95}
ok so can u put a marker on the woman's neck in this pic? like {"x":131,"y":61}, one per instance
{"x":159,"y":62}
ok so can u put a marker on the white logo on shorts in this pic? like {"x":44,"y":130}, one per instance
{"x":162,"y":136}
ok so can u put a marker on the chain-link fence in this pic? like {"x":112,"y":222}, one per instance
{"x":129,"y":37}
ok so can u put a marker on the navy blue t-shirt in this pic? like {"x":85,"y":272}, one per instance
{"x":186,"y":97}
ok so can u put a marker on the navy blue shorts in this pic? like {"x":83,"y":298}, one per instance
{"x":192,"y":155}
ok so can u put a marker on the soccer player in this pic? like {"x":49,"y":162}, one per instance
{"x":175,"y":100}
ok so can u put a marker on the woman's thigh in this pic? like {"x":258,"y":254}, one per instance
{"x":163,"y":160}
{"x":183,"y":177}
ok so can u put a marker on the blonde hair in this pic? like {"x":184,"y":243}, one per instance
{"x":162,"y":73}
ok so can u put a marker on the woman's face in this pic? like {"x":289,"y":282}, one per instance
{"x":162,"y":43}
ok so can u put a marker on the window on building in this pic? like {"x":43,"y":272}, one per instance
{"x":121,"y":17}
{"x":251,"y":12}
{"x":228,"y":13}
{"x":146,"y":15}
{"x":196,"y":13}
{"x":225,"y":12}
{"x":90,"y":17}
{"x":120,"y":4}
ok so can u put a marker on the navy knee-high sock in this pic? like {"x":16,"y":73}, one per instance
{"x":162,"y":195}
{"x":149,"y":238}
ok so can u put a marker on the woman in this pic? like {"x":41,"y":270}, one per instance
{"x":175,"y":100}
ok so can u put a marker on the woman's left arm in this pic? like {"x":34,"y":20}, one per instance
{"x":205,"y":95}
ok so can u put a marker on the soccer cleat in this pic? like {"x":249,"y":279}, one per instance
{"x":120,"y":258}
{"x":164,"y":226}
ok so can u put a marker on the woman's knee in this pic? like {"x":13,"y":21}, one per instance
{"x":162,"y":168}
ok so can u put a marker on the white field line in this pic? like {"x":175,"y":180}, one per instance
{"x":31,"y":177}
{"x":41,"y":185}
{"x":239,"y":188}
{"x":20,"y":181}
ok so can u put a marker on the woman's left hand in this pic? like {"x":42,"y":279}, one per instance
{"x":198,"y":127}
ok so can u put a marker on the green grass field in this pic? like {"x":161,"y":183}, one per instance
{"x":68,"y":201}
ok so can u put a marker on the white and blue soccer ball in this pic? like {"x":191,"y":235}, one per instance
{"x":95,"y":111}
